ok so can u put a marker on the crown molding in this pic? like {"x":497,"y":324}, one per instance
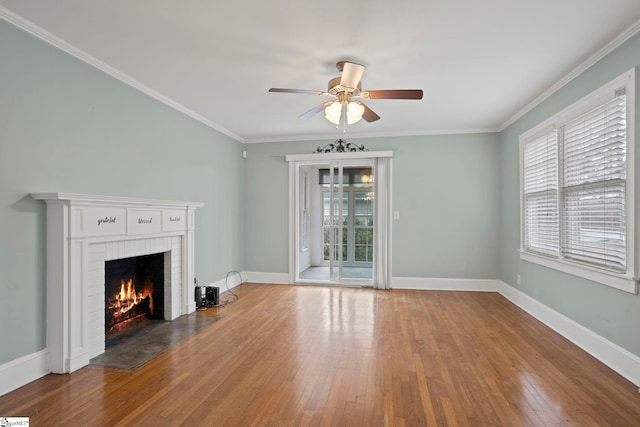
{"x":589,"y":62}
{"x":322,"y":137}
{"x":83,"y":56}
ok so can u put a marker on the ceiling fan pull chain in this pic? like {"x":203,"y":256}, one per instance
{"x":343,"y":117}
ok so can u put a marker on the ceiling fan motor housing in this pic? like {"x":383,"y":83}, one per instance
{"x":334,"y":87}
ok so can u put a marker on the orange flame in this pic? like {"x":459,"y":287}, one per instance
{"x":127,"y":298}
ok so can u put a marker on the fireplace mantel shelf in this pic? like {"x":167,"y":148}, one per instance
{"x":90,"y":199}
{"x":83,"y":232}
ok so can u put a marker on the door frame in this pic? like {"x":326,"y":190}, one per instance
{"x":382,"y":230}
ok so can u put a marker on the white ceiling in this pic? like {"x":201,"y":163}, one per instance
{"x":480,"y":63}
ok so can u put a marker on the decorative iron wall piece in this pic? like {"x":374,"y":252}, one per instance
{"x":340,"y":146}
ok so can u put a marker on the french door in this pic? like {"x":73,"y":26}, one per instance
{"x":340,"y":218}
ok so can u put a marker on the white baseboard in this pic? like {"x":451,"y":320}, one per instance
{"x":259,"y":277}
{"x":436,"y":284}
{"x":615,"y":357}
{"x":18,"y":372}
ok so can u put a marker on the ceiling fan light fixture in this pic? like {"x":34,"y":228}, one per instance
{"x":333,"y":112}
{"x":355,"y":110}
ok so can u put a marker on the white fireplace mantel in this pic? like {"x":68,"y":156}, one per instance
{"x":84,"y":231}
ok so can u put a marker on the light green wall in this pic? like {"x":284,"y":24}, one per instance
{"x":613,"y":314}
{"x":266,"y":200}
{"x":445,"y":188}
{"x":446,"y":191}
{"x":67,"y":127}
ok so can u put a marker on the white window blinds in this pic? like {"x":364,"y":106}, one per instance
{"x":540,"y":168}
{"x":593,"y":186}
{"x":579,"y":188}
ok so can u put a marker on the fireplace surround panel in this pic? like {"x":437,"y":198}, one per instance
{"x":85,"y":231}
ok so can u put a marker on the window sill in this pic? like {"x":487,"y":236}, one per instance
{"x":617,"y":281}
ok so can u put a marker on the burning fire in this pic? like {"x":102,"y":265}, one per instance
{"x":128,"y":304}
{"x":127,"y":298}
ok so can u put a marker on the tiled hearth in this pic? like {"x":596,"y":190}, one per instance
{"x":84,"y":231}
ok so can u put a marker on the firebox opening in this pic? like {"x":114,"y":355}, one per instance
{"x":134,"y":292}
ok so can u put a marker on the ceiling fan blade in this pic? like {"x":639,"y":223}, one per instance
{"x":315,"y":110}
{"x":351,"y":74}
{"x":369,"y":115}
{"x":303,"y":91}
{"x":394,"y":94}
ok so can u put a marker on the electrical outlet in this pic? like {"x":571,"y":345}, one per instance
{"x":518,"y":280}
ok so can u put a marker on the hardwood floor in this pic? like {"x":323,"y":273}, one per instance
{"x":304,"y":355}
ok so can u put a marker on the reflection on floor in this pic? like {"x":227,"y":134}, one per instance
{"x":322,"y":273}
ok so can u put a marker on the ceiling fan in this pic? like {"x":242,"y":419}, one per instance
{"x":346,"y":93}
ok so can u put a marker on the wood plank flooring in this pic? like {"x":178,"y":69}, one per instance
{"x":321,"y":356}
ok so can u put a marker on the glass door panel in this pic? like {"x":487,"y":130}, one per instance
{"x":363,"y":227}
{"x":334,"y":223}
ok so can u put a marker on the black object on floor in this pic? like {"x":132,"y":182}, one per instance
{"x":133,"y":349}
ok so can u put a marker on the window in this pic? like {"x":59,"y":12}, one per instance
{"x":593,"y":186}
{"x":577,"y":197}
{"x":540,"y":164}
